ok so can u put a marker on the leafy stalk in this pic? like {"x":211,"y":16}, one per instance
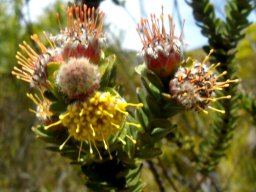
{"x":223,"y":36}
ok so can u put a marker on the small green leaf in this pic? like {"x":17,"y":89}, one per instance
{"x":58,"y":107}
{"x":154,"y":79}
{"x":158,"y":133}
{"x":49,"y":95}
{"x":151,"y":89}
{"x":51,"y":69}
{"x":106,"y":70}
{"x":148,"y":153}
{"x":142,"y":117}
{"x":107,"y":64}
{"x":144,"y":138}
{"x":141,"y":69}
{"x":143,"y":99}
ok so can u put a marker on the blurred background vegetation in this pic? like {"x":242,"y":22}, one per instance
{"x":25,"y":165}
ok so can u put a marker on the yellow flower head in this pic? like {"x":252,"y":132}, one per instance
{"x":102,"y":116}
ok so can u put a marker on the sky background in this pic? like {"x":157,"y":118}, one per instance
{"x":123,"y":21}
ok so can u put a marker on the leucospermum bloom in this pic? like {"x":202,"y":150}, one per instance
{"x":42,"y":111}
{"x":194,"y":87}
{"x":83,"y":36}
{"x":69,"y":74}
{"x":95,"y":120}
{"x":162,"y":50}
{"x":32,"y":65}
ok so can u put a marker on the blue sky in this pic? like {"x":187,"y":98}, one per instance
{"x":123,"y":21}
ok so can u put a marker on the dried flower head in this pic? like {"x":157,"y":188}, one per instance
{"x":32,"y":65}
{"x":194,"y":87}
{"x":83,"y":36}
{"x":95,"y":120}
{"x":78,"y":78}
{"x":161,"y":49}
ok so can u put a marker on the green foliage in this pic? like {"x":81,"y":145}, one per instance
{"x":187,"y":147}
{"x":223,"y":36}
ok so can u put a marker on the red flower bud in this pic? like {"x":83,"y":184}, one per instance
{"x":161,"y":50}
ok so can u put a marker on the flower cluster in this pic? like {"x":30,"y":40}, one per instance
{"x":192,"y":87}
{"x":69,"y":72}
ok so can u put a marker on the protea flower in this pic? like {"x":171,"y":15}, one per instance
{"x":72,"y":100}
{"x":83,"y":36}
{"x":95,"y":120}
{"x":162,"y":50}
{"x":42,"y":111}
{"x":195,"y":87}
{"x":32,"y":65}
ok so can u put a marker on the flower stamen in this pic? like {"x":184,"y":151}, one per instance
{"x":64,"y":143}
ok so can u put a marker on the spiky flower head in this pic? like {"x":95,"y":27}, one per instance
{"x":83,"y":36}
{"x":78,"y":78}
{"x":32,"y":65}
{"x":162,"y":50}
{"x":42,"y":111}
{"x":195,"y":87}
{"x":95,"y":120}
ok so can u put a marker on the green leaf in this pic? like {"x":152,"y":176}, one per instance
{"x":158,"y":133}
{"x":148,"y":153}
{"x":154,"y":79}
{"x":141,"y":69}
{"x":143,"y":99}
{"x":144,"y":138}
{"x":151,"y":89}
{"x":49,"y":95}
{"x":142,"y":118}
{"x":52,"y":67}
{"x":58,"y":107}
{"x":107,"y":64}
{"x":106,"y":69}
{"x":149,"y":76}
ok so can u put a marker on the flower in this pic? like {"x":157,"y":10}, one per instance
{"x":32,"y":65}
{"x":95,"y":120}
{"x":42,"y":111}
{"x":83,"y":36}
{"x":195,"y":87}
{"x":161,"y":48}
{"x":78,"y":78}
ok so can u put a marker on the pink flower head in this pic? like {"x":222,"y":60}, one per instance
{"x":83,"y":36}
{"x":161,"y":48}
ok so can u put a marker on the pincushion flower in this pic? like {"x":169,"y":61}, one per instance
{"x":161,"y":48}
{"x":32,"y":65}
{"x":42,"y":111}
{"x":95,"y":120}
{"x":195,"y":87}
{"x":83,"y":36}
{"x":69,"y":80}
